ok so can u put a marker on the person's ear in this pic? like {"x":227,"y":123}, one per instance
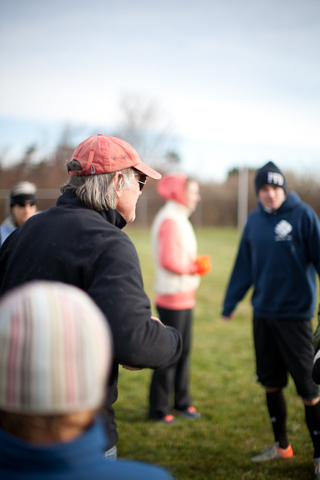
{"x":117,"y":180}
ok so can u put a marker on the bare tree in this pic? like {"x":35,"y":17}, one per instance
{"x":66,"y":145}
{"x":148,"y":130}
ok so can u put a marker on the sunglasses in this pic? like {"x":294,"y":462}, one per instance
{"x":142,"y":180}
{"x":23,"y":204}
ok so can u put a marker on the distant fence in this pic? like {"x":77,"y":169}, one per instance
{"x":212,"y":210}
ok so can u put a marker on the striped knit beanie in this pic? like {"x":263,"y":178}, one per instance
{"x":55,"y":350}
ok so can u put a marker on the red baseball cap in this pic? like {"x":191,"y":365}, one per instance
{"x":103,"y":154}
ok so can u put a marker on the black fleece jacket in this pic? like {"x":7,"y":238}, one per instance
{"x":74,"y":244}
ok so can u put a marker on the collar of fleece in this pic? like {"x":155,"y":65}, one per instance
{"x":173,"y":187}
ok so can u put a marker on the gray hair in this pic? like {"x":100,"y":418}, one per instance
{"x":97,"y":191}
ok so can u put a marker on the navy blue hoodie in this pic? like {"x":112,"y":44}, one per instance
{"x":78,"y":459}
{"x":279,"y":256}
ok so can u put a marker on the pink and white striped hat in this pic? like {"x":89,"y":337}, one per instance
{"x":55,"y":350}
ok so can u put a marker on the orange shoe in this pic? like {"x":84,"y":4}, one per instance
{"x":189,"y":413}
{"x":168,"y":419}
{"x":286,"y":452}
{"x":273,"y":453}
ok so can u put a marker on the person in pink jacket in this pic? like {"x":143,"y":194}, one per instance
{"x":178,"y":270}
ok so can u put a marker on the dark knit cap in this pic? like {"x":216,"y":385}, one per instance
{"x":269,"y":174}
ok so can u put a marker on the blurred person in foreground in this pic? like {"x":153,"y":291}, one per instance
{"x":279,"y":255}
{"x":56,"y":353}
{"x":178,"y":270}
{"x":23,"y":204}
{"x":80,"y":242}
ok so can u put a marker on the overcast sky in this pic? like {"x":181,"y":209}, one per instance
{"x":239,"y":81}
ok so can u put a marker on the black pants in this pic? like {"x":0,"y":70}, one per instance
{"x":175,"y":378}
{"x":284,"y":345}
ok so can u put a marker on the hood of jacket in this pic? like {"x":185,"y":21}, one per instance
{"x":173,"y":187}
{"x":291,"y":201}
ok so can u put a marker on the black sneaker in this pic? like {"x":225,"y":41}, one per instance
{"x":189,"y":413}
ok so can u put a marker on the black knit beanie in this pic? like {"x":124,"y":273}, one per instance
{"x":269,"y":174}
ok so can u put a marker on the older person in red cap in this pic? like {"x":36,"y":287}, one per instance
{"x":80,"y":242}
{"x":178,"y":270}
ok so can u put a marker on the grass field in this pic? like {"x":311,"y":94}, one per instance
{"x":234,"y":424}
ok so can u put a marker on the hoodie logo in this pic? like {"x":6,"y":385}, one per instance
{"x":282,"y":230}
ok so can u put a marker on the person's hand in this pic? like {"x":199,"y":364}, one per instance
{"x":203,"y":264}
{"x":226,"y":318}
{"x":316,"y":368}
{"x":316,"y":338}
{"x":157,"y":320}
{"x":127,"y":367}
